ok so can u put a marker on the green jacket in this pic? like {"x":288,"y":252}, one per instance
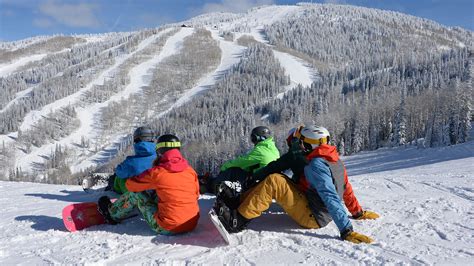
{"x":262,"y":154}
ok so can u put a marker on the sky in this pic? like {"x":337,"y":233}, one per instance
{"x":21,"y":19}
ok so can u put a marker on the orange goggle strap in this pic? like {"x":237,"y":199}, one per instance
{"x":175,"y":144}
{"x":308,"y":140}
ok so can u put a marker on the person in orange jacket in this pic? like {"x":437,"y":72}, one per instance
{"x":313,"y":201}
{"x":175,"y":208}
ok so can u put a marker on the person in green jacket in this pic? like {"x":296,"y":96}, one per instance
{"x":238,"y":169}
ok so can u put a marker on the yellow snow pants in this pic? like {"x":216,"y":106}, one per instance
{"x":285,"y":193}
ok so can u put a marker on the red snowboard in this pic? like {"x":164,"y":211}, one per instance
{"x":78,"y":216}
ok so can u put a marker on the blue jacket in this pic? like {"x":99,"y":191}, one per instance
{"x":134,"y":165}
{"x":318,"y":174}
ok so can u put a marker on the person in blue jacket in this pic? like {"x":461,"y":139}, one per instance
{"x":145,"y":154}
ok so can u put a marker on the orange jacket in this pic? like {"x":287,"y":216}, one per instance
{"x":177,"y":187}
{"x":329,"y":153}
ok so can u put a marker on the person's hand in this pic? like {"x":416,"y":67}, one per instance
{"x":367,"y":215}
{"x":358,"y":238}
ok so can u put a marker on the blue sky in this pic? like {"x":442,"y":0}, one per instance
{"x":21,"y":19}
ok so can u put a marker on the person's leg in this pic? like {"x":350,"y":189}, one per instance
{"x":123,"y":206}
{"x":286,"y":194}
{"x":145,"y":204}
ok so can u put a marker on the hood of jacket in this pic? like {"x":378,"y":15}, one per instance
{"x":173,"y":161}
{"x":144,"y":148}
{"x":325,"y":151}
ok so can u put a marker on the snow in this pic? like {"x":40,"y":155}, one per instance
{"x":138,"y":79}
{"x":299,"y":71}
{"x":231,"y":55}
{"x":34,"y":116}
{"x":425,"y":198}
{"x":86,"y":114}
{"x":9,"y":68}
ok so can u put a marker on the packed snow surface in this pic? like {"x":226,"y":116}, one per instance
{"x":425,"y":198}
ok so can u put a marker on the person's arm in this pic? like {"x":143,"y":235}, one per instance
{"x":319,"y":177}
{"x":350,"y":200}
{"x":124,"y":169}
{"x":277,"y":166}
{"x":254,"y":157}
{"x":142,"y":182}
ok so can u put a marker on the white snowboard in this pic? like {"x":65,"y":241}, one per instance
{"x":220,"y":227}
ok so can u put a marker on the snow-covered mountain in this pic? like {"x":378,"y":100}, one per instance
{"x":69,"y":103}
{"x":425,"y":198}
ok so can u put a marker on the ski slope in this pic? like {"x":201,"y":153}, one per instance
{"x":7,"y":69}
{"x":425,"y":198}
{"x":138,"y":79}
{"x":298,"y":71}
{"x":87,"y":114}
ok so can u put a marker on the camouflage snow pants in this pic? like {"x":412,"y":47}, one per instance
{"x":124,"y":206}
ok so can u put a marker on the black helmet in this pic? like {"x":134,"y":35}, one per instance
{"x":168,"y":141}
{"x":143,"y":134}
{"x":260,"y":133}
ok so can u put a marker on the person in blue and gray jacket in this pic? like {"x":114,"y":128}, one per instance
{"x":145,"y":154}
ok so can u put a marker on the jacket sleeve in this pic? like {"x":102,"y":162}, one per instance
{"x":349,"y":198}
{"x":281,"y":164}
{"x":124,"y":169}
{"x":142,"y":182}
{"x":319,"y":177}
{"x":254,"y":157}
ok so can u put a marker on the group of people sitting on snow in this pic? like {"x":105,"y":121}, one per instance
{"x":309,"y":182}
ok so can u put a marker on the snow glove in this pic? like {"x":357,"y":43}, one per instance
{"x":366,"y":215}
{"x":356,"y":238}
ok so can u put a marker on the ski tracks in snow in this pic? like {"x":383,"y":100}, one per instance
{"x":428,"y":205}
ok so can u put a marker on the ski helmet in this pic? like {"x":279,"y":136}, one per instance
{"x":313,"y":136}
{"x":168,"y":141}
{"x":143,"y":134}
{"x":260,"y":133}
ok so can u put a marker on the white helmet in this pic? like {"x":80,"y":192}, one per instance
{"x":313,"y":136}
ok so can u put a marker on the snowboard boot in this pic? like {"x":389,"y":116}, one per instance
{"x":103,"y":208}
{"x":232,"y":220}
{"x":229,"y":196}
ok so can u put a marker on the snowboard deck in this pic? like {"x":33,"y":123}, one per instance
{"x":219,"y":226}
{"x":78,"y":216}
